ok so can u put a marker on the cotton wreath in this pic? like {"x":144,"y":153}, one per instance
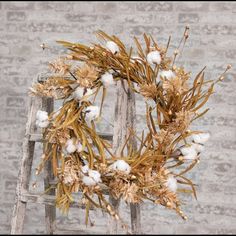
{"x":83,"y":161}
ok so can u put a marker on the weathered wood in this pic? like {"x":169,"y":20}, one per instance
{"x":134,"y":208}
{"x":47,"y":200}
{"x":19,"y":208}
{"x":39,"y":137}
{"x":50,"y":211}
{"x":123,"y":120}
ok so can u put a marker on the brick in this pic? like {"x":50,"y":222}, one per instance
{"x":188,"y":18}
{"x":219,"y":29}
{"x":217,"y":210}
{"x":81,"y":17}
{"x":154,"y":6}
{"x":4,"y":48}
{"x":15,"y":102}
{"x":126,"y":7}
{"x":231,"y":54}
{"x":85,"y":7}
{"x":19,"y":5}
{"x":101,"y":7}
{"x":222,"y":6}
{"x":10,"y":185}
{"x":137,"y":19}
{"x":16,"y":16}
{"x":139,"y":30}
{"x":192,"y":6}
{"x":11,"y":60}
{"x":39,"y":27}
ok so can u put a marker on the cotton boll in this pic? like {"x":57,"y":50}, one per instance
{"x":42,"y":124}
{"x":201,"y":138}
{"x":189,"y":153}
{"x":112,"y":46}
{"x":41,"y":115}
{"x":154,"y":57}
{"x":79,"y":147}
{"x":80,"y":93}
{"x":171,"y":183}
{"x":89,"y":92}
{"x":107,"y":79}
{"x":70,"y":142}
{"x":168,"y":74}
{"x":121,"y":165}
{"x":85,"y":169}
{"x":37,"y":123}
{"x":70,"y":146}
{"x":92,"y":112}
{"x":88,"y":181}
{"x":95,"y":175}
{"x":198,"y":147}
{"x":187,"y":150}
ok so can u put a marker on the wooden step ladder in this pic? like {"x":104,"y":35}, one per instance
{"x":124,"y":118}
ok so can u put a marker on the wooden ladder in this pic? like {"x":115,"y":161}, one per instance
{"x":124,"y":118}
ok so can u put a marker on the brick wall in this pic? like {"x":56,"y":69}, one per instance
{"x":25,"y":25}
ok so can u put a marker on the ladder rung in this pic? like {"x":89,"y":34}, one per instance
{"x":81,"y":230}
{"x":39,"y":137}
{"x":103,"y":187}
{"x":47,"y":200}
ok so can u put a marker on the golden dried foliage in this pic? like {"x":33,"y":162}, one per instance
{"x":86,"y":75}
{"x":177,"y":105}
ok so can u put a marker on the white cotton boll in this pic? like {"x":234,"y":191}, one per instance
{"x":80,"y":93}
{"x":154,"y":57}
{"x":189,"y":153}
{"x":70,"y":142}
{"x":168,"y":74}
{"x":92,"y":112}
{"x":71,"y":148}
{"x":107,"y":79}
{"x":121,"y":165}
{"x":85,"y":169}
{"x":43,"y":124}
{"x":41,"y":115}
{"x":201,"y":138}
{"x":112,"y":46}
{"x":88,"y":181}
{"x":198,"y":147}
{"x":95,"y":175}
{"x":79,"y":147}
{"x":37,"y":123}
{"x":171,"y":183}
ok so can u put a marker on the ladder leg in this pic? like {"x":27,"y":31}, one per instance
{"x":18,"y":215}
{"x":134,"y":207}
{"x":135,"y":218}
{"x":113,"y":227}
{"x":124,"y":119}
{"x":50,"y":211}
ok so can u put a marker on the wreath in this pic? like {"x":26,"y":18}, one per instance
{"x":83,"y":162}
